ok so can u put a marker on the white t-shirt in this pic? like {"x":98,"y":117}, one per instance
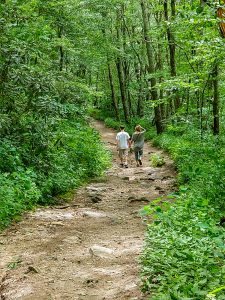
{"x":123,"y":137}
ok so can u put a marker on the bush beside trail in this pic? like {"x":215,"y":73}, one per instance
{"x":184,"y":253}
{"x":30,"y":176}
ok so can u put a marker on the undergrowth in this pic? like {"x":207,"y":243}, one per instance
{"x":28,"y":178}
{"x":184,"y":253}
{"x":183,"y":257}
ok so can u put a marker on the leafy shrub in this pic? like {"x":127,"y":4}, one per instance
{"x":73,"y":154}
{"x":80,"y":156}
{"x":157,"y":160}
{"x":109,"y":122}
{"x":96,"y":113}
{"x":10,"y":158}
{"x":184,"y":253}
{"x":18,"y":192}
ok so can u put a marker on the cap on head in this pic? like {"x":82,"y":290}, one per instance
{"x":122,"y":127}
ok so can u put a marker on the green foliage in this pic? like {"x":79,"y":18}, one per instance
{"x":157,"y":160}
{"x":112,"y":123}
{"x":18,"y":192}
{"x":200,"y":163}
{"x":79,"y":156}
{"x":184,"y":252}
{"x":96,"y":113}
{"x":73,"y":154}
{"x":46,"y":148}
{"x":14,"y":264}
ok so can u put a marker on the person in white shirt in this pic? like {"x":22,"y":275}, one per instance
{"x":123,"y":145}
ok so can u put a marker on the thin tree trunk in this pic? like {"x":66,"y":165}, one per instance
{"x":113,"y":96}
{"x":122,"y":89}
{"x":119,"y":65}
{"x":125,"y":64}
{"x":158,"y":17}
{"x":151,"y":68}
{"x":216,"y":122}
{"x":172,"y":47}
{"x":161,"y":94}
{"x":61,"y":51}
{"x":140,"y":100}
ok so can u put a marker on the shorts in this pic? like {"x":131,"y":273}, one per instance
{"x":123,"y":153}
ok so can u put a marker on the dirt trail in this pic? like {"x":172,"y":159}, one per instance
{"x":89,"y":248}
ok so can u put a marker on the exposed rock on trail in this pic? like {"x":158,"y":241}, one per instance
{"x":88,"y":249}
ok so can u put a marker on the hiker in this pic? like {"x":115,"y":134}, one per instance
{"x":123,"y":145}
{"x":138,"y":140}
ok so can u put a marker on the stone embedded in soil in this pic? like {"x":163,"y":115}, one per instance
{"x":151,"y":179}
{"x":91,"y":282}
{"x":95,"y":198}
{"x":94,"y":189}
{"x":94,"y":214}
{"x":132,"y":198}
{"x":158,"y":188}
{"x":130,"y":178}
{"x":100,"y":251}
{"x":52,"y":215}
{"x":138,"y":199}
{"x":31,"y":269}
{"x":161,"y":192}
{"x":109,"y":271}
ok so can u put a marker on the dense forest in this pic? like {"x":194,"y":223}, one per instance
{"x":157,"y":63}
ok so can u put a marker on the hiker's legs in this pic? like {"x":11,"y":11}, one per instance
{"x":140,"y":153}
{"x":136,"y":154}
{"x":123,"y":154}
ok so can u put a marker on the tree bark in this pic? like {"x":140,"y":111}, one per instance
{"x":172,"y":47}
{"x":120,"y":70}
{"x":61,"y":51}
{"x":151,"y":68}
{"x":216,"y":120}
{"x":140,"y":100}
{"x":122,"y":89}
{"x":113,"y":96}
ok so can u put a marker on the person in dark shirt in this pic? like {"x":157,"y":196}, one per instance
{"x":138,"y":139}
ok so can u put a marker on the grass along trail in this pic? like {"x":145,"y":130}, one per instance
{"x":89,"y":248}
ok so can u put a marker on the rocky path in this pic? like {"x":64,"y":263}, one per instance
{"x":89,"y":248}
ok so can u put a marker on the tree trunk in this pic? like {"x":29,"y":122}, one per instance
{"x":140,"y":100}
{"x":216,"y":120}
{"x":172,"y":47}
{"x":151,"y":68}
{"x":61,"y":51}
{"x":119,"y":65}
{"x":158,"y":17}
{"x":122,"y":89}
{"x":113,"y":96}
